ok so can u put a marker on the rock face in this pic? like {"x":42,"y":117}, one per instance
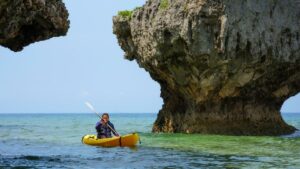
{"x":26,"y":21}
{"x":224,"y":66}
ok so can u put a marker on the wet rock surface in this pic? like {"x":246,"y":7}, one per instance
{"x":23,"y":22}
{"x":224,"y":66}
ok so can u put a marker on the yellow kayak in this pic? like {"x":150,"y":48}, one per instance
{"x":128,"y":140}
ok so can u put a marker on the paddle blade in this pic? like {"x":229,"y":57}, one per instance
{"x":90,"y":106}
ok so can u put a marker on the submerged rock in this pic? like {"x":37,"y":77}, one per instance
{"x":23,"y":22}
{"x":224,"y":66}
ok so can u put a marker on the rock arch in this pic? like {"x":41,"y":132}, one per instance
{"x":224,"y":66}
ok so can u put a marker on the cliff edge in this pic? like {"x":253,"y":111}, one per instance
{"x":224,"y":66}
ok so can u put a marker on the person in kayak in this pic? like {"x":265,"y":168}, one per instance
{"x":104,"y":127}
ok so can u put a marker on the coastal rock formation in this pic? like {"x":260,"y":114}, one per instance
{"x":224,"y":66}
{"x":23,"y":22}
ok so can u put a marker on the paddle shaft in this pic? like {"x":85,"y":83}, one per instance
{"x":93,"y":110}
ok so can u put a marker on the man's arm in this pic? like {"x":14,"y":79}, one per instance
{"x":98,"y":125}
{"x":113,"y":127}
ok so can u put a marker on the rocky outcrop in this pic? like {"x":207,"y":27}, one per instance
{"x":224,"y":66}
{"x":23,"y":22}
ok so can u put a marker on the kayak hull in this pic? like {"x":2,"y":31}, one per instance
{"x":128,"y":140}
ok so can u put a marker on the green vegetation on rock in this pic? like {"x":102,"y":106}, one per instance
{"x":164,"y":4}
{"x":125,"y":14}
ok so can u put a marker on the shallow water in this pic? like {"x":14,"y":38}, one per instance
{"x":54,"y":141}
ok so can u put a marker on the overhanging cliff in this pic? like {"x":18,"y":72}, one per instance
{"x":224,"y":66}
{"x":23,"y":22}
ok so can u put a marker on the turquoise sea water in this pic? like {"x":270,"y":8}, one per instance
{"x":54,"y":141}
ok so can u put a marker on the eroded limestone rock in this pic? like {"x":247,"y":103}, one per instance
{"x":23,"y":22}
{"x":224,"y":66}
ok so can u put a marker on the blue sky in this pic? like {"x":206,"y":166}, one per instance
{"x":60,"y":74}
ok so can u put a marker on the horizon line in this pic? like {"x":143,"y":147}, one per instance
{"x":108,"y":112}
{"x":75,"y":113}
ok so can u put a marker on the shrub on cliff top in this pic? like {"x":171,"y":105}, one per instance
{"x":126,"y":14}
{"x":164,"y":4}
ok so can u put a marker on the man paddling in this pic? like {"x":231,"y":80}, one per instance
{"x":104,"y":127}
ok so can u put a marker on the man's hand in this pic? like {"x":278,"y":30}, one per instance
{"x":103,"y":121}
